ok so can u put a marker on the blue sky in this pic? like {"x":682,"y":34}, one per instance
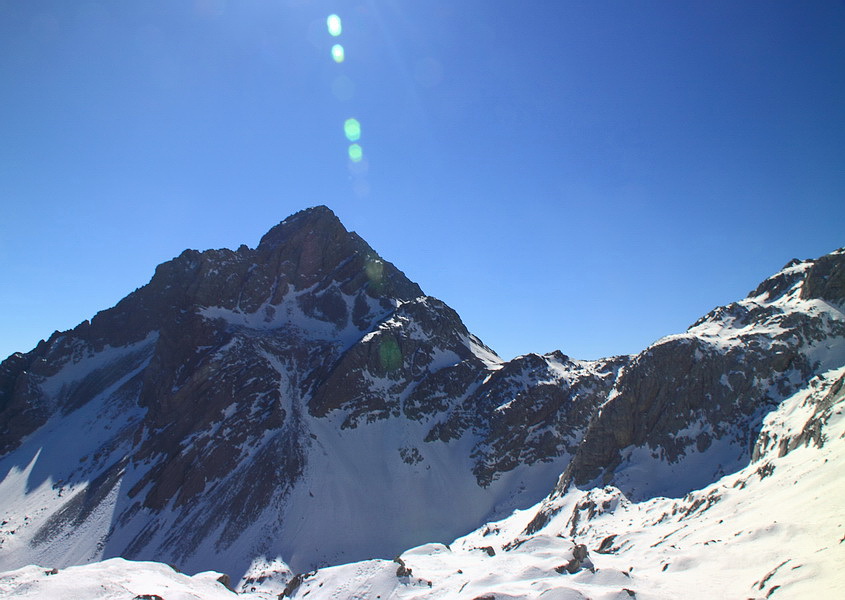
{"x":584,"y":176}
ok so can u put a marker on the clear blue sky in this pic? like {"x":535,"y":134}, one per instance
{"x":585,"y":176}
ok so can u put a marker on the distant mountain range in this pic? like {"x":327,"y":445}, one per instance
{"x":303,"y":405}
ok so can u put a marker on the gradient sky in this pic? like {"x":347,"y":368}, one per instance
{"x":585,"y":176}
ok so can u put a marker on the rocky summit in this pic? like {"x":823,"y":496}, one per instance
{"x":303,"y":404}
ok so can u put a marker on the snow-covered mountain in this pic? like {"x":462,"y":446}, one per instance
{"x":303,"y":399}
{"x":773,"y":529}
{"x":266,"y":412}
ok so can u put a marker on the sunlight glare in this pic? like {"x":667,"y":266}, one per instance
{"x":334,"y":26}
{"x":352,"y":129}
{"x":355,"y":153}
{"x":390,"y":355}
{"x":338,"y":53}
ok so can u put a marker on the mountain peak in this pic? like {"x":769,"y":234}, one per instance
{"x":313,"y":248}
{"x":319,"y":220}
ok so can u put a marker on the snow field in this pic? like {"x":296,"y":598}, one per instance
{"x":775,"y":531}
{"x":113,"y":579}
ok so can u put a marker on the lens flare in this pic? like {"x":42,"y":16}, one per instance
{"x":352,"y":129}
{"x":343,"y":90}
{"x":334,"y":26}
{"x":390,"y":355}
{"x":374,"y":270}
{"x":355,"y":153}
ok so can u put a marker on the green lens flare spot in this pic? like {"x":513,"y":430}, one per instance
{"x":334,"y":26}
{"x":374,"y":270}
{"x":355,"y":153}
{"x":338,"y":54}
{"x":390,"y":355}
{"x":352,"y":129}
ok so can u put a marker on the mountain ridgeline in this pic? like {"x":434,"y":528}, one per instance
{"x":305,"y":401}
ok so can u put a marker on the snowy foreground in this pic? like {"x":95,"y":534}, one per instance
{"x":775,"y":529}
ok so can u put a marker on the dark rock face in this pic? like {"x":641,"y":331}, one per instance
{"x":539,"y":407}
{"x":401,"y":352}
{"x":826,"y":279}
{"x":23,"y":407}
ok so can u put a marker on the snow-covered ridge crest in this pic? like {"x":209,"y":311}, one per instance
{"x":113,"y":578}
{"x":687,"y":409}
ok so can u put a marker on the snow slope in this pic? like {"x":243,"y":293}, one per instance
{"x":367,"y":491}
{"x":775,"y":529}
{"x":113,"y":579}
